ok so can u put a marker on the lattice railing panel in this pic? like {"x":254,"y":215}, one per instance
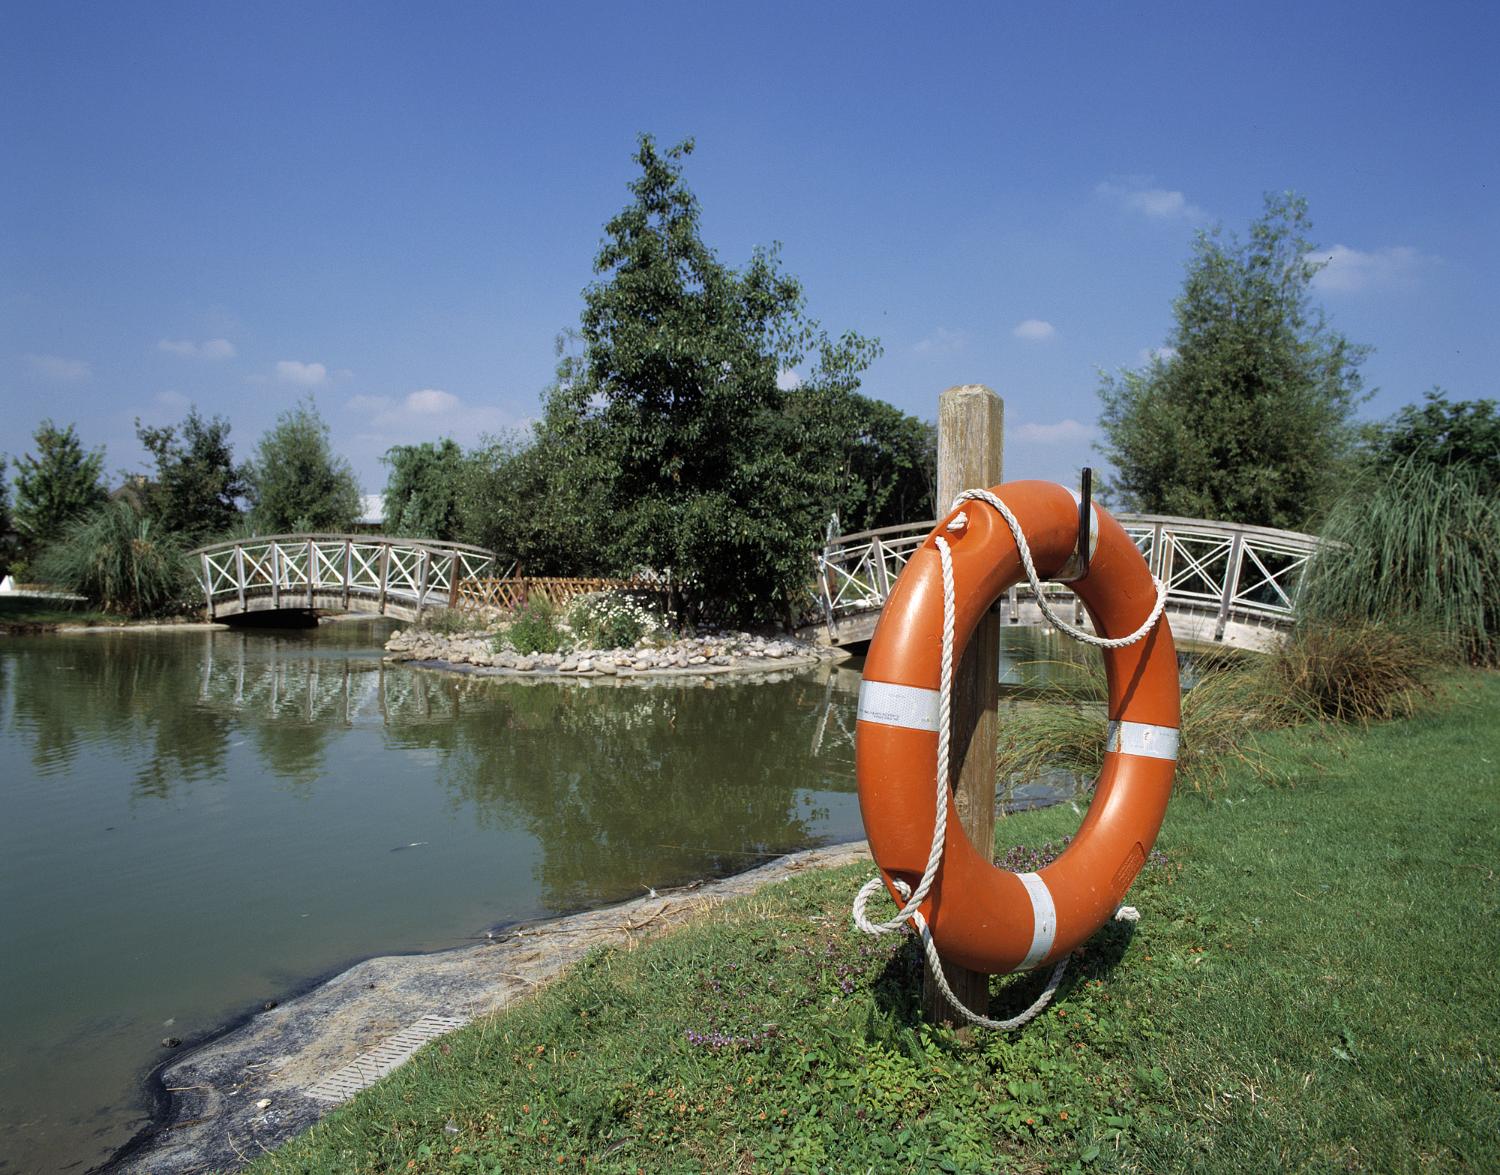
{"x":1246,"y":570}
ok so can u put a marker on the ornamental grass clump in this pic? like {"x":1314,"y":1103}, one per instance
{"x":1359,"y":671}
{"x":1408,"y":547}
{"x":122,"y":562}
{"x":1065,"y":728}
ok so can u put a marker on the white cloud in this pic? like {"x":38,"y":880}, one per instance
{"x":55,"y":367}
{"x":1137,"y":194}
{"x":422,"y":412}
{"x":787,"y":379}
{"x":942,"y":341}
{"x":1034,"y":330}
{"x":307,"y":375}
{"x":1347,"y":270}
{"x":1063,"y":432}
{"x":208,"y":349}
{"x":431,"y":402}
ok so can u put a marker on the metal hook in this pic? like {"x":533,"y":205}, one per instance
{"x":1085,"y":520}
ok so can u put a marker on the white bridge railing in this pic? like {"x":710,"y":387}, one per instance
{"x":1221,"y":571}
{"x":364,"y":572}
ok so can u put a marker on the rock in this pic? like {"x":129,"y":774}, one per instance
{"x":170,"y":1042}
{"x":585,"y":665}
{"x":772,"y":651}
{"x":697,"y":659}
{"x":263,"y":1104}
{"x":268,"y":1005}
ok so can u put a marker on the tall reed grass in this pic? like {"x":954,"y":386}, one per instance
{"x":122,"y":562}
{"x":1360,"y":671}
{"x":1417,"y":547}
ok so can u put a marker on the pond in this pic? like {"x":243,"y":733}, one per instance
{"x":195,"y":822}
{"x":192,"y":823}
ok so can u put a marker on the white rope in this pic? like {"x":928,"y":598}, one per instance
{"x":910,"y":910}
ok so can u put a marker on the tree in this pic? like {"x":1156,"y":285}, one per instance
{"x":6,"y":540}
{"x":422,"y":492}
{"x":60,"y":484}
{"x":1248,"y":419}
{"x":1443,"y":433}
{"x":674,"y":411}
{"x":887,"y":465}
{"x":295,"y":482}
{"x":197,"y":486}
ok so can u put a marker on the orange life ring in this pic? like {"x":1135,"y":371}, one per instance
{"x":983,"y":917}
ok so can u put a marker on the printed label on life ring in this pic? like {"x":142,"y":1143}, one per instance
{"x":898,"y":705}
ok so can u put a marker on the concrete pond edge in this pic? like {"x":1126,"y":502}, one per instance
{"x":245,"y":1091}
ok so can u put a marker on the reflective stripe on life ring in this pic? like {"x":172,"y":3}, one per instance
{"x":983,"y":917}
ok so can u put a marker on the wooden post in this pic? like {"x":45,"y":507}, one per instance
{"x":971,"y":451}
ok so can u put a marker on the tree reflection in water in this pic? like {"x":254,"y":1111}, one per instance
{"x":622,"y":785}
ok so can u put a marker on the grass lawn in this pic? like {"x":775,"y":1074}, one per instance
{"x":1311,"y":987}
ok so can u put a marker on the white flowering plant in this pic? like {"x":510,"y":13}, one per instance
{"x":611,"y":620}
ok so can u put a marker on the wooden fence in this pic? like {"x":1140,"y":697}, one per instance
{"x":514,"y":592}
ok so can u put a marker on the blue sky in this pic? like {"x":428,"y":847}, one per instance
{"x":394,"y":207}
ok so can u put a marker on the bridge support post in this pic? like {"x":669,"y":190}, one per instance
{"x":1231,"y":582}
{"x":208,"y":586}
{"x":971,"y":454}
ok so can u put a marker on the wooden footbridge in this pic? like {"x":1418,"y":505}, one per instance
{"x":404,"y":578}
{"x":1227,"y":584}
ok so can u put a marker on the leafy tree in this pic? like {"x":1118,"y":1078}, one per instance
{"x":887,"y":465}
{"x":55,"y":487}
{"x":197,"y":486}
{"x":1442,"y":432}
{"x":295,"y":482}
{"x":1248,"y":420}
{"x":6,"y":540}
{"x":704,"y":464}
{"x":422,"y":492}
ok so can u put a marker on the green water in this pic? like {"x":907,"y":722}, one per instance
{"x":192,"y":823}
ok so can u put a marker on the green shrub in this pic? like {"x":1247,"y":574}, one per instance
{"x":609,"y":620}
{"x":1412,"y":544}
{"x":122,"y":562}
{"x":535,"y":629}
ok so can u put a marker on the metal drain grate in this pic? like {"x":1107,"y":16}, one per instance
{"x":368,"y":1068}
